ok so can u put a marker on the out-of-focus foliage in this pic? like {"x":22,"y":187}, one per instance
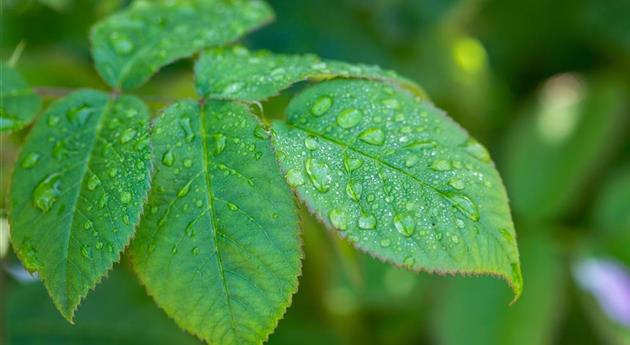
{"x":488,"y":63}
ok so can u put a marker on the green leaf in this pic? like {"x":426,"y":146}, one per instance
{"x":551,"y":154}
{"x":218,"y":247}
{"x":18,"y":103}
{"x":119,"y":312}
{"x":473,"y":311}
{"x":399,"y":179}
{"x":236,"y":73}
{"x":78,"y":189}
{"x":131,"y":46}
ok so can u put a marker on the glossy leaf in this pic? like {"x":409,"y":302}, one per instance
{"x":399,"y":179}
{"x":113,"y":315}
{"x":218,"y":247}
{"x":78,"y":190}
{"x":18,"y":103}
{"x":551,"y":154}
{"x":129,"y":47}
{"x":236,"y":73}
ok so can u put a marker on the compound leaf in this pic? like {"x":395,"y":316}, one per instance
{"x":398,"y":178}
{"x":236,"y":73}
{"x":218,"y":247}
{"x":18,"y":103}
{"x":78,"y":190}
{"x":129,"y":47}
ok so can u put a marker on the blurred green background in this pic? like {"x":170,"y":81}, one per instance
{"x":545,"y":85}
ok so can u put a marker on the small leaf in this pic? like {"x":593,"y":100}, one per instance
{"x":236,"y":73}
{"x":218,"y":247}
{"x":403,"y":182}
{"x":131,"y":46}
{"x":77,"y":191}
{"x":18,"y":103}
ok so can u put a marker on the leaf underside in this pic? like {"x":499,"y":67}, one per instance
{"x":218,"y":247}
{"x":18,"y":103}
{"x":398,"y":178}
{"x":129,"y":47}
{"x":78,"y":190}
{"x":236,"y":73}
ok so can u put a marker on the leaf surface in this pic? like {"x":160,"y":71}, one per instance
{"x":18,"y":103}
{"x":236,"y":73}
{"x":131,"y":46}
{"x":218,"y":248}
{"x":78,"y":189}
{"x":398,"y":178}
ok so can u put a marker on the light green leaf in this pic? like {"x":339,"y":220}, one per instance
{"x":399,"y":179}
{"x":236,"y":73}
{"x":218,"y":247}
{"x":129,"y":47}
{"x":18,"y":103}
{"x":473,"y":311}
{"x":78,"y":189}
{"x":551,"y":154}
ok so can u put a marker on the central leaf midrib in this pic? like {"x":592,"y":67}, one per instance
{"x":213,"y":216}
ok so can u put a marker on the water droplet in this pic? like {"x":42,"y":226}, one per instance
{"x":53,"y":121}
{"x":188,"y":163}
{"x":319,"y":173}
{"x":47,"y":191}
{"x":93,"y":182}
{"x":195,"y":251}
{"x":421,"y":144}
{"x":127,"y":135}
{"x":349,"y":118}
{"x":121,"y":44}
{"x":294,"y":178}
{"x":260,"y":132}
{"x":354,"y":189}
{"x":311,"y":143}
{"x":184,"y":191}
{"x":465,"y":206}
{"x":126,"y":220}
{"x":86,"y":252}
{"x":99,"y":245}
{"x":30,"y":160}
{"x":219,"y":142}
{"x":187,"y":128}
{"x":456,"y":183}
{"x":321,"y":105}
{"x":351,"y":164}
{"x":113,"y":172}
{"x":409,"y":262}
{"x":232,"y":206}
{"x":233,"y":87}
{"x":174,"y":250}
{"x":405,"y":224}
{"x":455,"y":239}
{"x":459,"y":223}
{"x":411,"y":160}
{"x":391,"y":103}
{"x":475,"y":149}
{"x":60,"y":150}
{"x":338,"y":219}
{"x":386,"y":242}
{"x":367,"y":221}
{"x":125,"y":197}
{"x":168,"y":158}
{"x":87,"y":225}
{"x":78,"y":116}
{"x":103,"y":201}
{"x":373,"y":136}
{"x":441,"y":165}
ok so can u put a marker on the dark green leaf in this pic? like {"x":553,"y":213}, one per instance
{"x":18,"y":103}
{"x":129,"y":47}
{"x":78,"y":189}
{"x":236,"y":73}
{"x":218,"y":247}
{"x":118,"y":313}
{"x":399,"y":179}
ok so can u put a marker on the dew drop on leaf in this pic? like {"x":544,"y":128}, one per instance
{"x":354,"y":189}
{"x":294,"y":178}
{"x":349,"y":118}
{"x":373,"y":136}
{"x":93,"y":182}
{"x":441,"y":165}
{"x":475,"y":149}
{"x":321,"y":105}
{"x":405,"y":224}
{"x":30,"y":160}
{"x":367,"y":221}
{"x":351,"y":164}
{"x":47,"y":191}
{"x":466,"y":206}
{"x":311,"y":143}
{"x":338,"y":219}
{"x":127,"y":135}
{"x":319,"y":173}
{"x":219,"y":142}
{"x":120,"y":43}
{"x":168,"y":158}
{"x":456,"y":183}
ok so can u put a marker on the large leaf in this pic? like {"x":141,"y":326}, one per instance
{"x":78,"y":190}
{"x":398,"y":178}
{"x":236,"y":73}
{"x":473,"y":311}
{"x":218,"y":247}
{"x":552,"y":153}
{"x":18,"y":103}
{"x":129,"y":47}
{"x":119,"y":313}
